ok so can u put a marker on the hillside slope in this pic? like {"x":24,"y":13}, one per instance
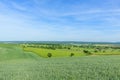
{"x":17,"y":65}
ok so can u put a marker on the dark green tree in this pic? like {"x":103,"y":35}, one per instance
{"x":87,"y":52}
{"x":72,"y":54}
{"x":49,"y":55}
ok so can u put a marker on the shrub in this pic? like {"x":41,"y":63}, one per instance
{"x":72,"y":54}
{"x":69,"y":48}
{"x":95,"y":51}
{"x":49,"y":55}
{"x":103,"y":51}
{"x":87,"y":52}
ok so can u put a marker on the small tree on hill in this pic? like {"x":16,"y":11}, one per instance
{"x":72,"y":54}
{"x":49,"y":55}
{"x":103,"y":51}
{"x":95,"y":51}
{"x":87,"y":52}
{"x":69,"y":48}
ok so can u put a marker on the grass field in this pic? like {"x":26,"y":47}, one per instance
{"x":76,"y":50}
{"x":55,"y":53}
{"x":15,"y":64}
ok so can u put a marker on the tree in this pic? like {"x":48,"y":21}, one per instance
{"x":69,"y":48}
{"x":23,"y":46}
{"x":72,"y":54}
{"x":87,"y":52}
{"x":49,"y":55}
{"x":103,"y":51}
{"x":95,"y":51}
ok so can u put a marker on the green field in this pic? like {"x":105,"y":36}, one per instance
{"x":55,"y":53}
{"x":62,"y":50}
{"x":15,"y":64}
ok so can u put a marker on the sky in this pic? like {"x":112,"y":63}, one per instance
{"x":60,"y":20}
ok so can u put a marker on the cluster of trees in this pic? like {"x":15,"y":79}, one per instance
{"x":50,"y":46}
{"x":99,"y":47}
{"x":63,"y":46}
{"x":69,"y":46}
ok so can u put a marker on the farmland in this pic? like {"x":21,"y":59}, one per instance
{"x":67,"y":50}
{"x":18,"y":64}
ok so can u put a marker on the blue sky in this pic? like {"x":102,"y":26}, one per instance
{"x":59,"y":20}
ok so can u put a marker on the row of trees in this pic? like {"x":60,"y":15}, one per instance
{"x":64,"y":46}
{"x":53,"y":47}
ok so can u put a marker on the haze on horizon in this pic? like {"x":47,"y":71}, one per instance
{"x":60,"y":20}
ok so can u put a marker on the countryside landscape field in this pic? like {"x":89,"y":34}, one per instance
{"x":59,"y":39}
{"x":21,"y":61}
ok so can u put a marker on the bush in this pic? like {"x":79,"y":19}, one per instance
{"x":104,"y":51}
{"x":69,"y":48}
{"x":87,"y":52}
{"x":49,"y":55}
{"x":72,"y":54}
{"x":95,"y":51}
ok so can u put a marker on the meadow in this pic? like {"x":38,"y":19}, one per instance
{"x":69,"y":50}
{"x":17,"y":64}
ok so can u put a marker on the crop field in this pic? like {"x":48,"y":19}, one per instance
{"x":18,"y":64}
{"x":69,"y":50}
{"x":55,"y":53}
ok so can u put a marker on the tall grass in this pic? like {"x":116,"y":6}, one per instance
{"x":73,"y":68}
{"x":29,"y":66}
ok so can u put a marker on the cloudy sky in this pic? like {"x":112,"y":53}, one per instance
{"x":59,"y":20}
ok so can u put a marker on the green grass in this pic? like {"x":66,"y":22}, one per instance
{"x":66,"y":53}
{"x":12,"y":51}
{"x":19,"y":65}
{"x":55,"y":53}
